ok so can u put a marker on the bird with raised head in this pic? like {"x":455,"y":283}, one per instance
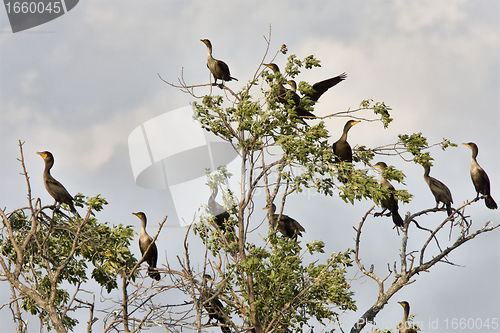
{"x":440,"y":191}
{"x":390,"y":203}
{"x":218,"y":68}
{"x":55,"y":189}
{"x":217,"y":210}
{"x":480,"y":178}
{"x":287,"y":226}
{"x":404,"y":324}
{"x":295,"y":99}
{"x":145,"y":240}
{"x":341,"y":148}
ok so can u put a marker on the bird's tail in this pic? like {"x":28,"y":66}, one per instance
{"x":73,"y":210}
{"x":153,"y":273}
{"x":396,"y":218}
{"x":233,"y":78}
{"x":490,"y":203}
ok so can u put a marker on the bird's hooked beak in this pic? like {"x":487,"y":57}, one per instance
{"x":42,"y":154}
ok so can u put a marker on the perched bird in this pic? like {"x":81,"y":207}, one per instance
{"x":55,"y":189}
{"x":282,"y":92}
{"x":219,"y":213}
{"x":213,"y":305}
{"x":320,"y":87}
{"x":440,"y":191}
{"x":404,"y":324}
{"x":287,"y":226}
{"x":341,"y":148}
{"x":152,"y":255}
{"x":480,"y":178}
{"x":218,"y":68}
{"x":389,"y":203}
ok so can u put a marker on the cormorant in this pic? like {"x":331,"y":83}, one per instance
{"x":55,"y":189}
{"x":282,"y":92}
{"x":144,"y":241}
{"x":404,"y":325}
{"x":389,"y":203}
{"x":320,"y":87}
{"x":287,"y":226}
{"x":440,"y":191}
{"x":341,"y":148}
{"x":480,"y":178}
{"x":220,"y":214}
{"x":213,"y":305}
{"x":218,"y":68}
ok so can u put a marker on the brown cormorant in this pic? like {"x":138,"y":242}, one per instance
{"x":287,"y":226}
{"x":341,"y":148}
{"x":440,"y":191}
{"x":219,"y":213}
{"x":282,"y":92}
{"x":213,"y":305}
{"x":218,"y":68}
{"x":389,"y":203}
{"x":152,"y":255}
{"x":404,"y":324}
{"x":320,"y":87}
{"x":480,"y":178}
{"x":55,"y":189}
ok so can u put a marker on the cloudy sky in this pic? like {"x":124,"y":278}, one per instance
{"x":79,"y":85}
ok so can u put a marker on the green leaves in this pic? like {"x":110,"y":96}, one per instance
{"x":378,"y":108}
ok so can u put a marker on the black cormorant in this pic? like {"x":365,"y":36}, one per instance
{"x":480,"y":178}
{"x":219,"y":213}
{"x":440,"y":191}
{"x":404,"y":324}
{"x":144,"y":240}
{"x":218,"y":68}
{"x":55,"y":189}
{"x":282,"y":92}
{"x":213,"y":305}
{"x":287,"y":226}
{"x":341,"y":148}
{"x":389,"y":203}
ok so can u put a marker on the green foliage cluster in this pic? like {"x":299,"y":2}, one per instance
{"x":290,"y":291}
{"x":60,"y":251}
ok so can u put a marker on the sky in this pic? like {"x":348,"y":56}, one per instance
{"x":79,"y":85}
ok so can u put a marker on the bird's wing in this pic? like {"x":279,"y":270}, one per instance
{"x":57,"y":187}
{"x":321,"y":87}
{"x":439,"y":188}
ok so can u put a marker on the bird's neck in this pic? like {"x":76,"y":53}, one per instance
{"x":427,"y":172}
{"x":209,"y":52}
{"x":405,"y":316}
{"x":143,"y":226}
{"x":48,"y":166}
